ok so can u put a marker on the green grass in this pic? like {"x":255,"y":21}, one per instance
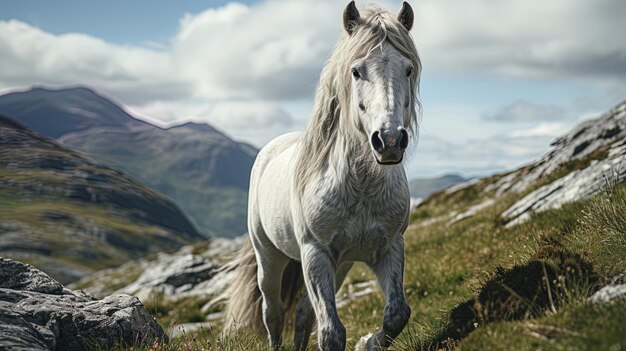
{"x":573,"y":327}
{"x":169,"y":312}
{"x":477,"y":285}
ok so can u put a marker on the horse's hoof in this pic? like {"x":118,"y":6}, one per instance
{"x":362,"y":344}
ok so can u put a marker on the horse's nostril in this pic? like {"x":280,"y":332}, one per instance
{"x":403,"y":143}
{"x":377,"y":142}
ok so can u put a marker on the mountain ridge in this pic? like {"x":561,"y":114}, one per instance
{"x":203,"y":170}
{"x":423,"y":187}
{"x":70,"y":216}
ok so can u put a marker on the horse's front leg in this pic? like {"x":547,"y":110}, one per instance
{"x":305,"y":315}
{"x":319,"y":276}
{"x":389,"y":271}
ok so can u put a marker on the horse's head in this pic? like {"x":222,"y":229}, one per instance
{"x":383,"y":84}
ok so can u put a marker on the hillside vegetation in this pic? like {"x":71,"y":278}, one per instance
{"x":479,"y":276}
{"x":475,"y":284}
{"x":70,"y":217}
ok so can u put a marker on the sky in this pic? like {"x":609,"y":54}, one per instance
{"x":501,"y":79}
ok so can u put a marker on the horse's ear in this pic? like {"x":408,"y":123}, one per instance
{"x":406,"y":16}
{"x":351,"y":17}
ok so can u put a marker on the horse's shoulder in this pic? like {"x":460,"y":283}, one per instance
{"x":272,"y":151}
{"x":280,"y":143}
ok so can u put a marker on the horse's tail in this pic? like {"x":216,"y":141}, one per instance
{"x":243,"y":297}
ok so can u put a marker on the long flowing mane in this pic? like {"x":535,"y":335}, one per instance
{"x":333,"y":113}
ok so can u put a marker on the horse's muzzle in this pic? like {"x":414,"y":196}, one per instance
{"x":381,"y":161}
{"x":389,"y":145}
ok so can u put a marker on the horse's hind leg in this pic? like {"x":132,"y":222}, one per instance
{"x":389,"y":271}
{"x":305,"y":317}
{"x":271,"y":264}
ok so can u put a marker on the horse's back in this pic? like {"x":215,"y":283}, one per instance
{"x":269,"y":207}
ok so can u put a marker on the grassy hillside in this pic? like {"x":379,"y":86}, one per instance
{"x":205,"y":172}
{"x":69,"y":217}
{"x":202,"y":170}
{"x":479,"y":279}
{"x":476,"y":285}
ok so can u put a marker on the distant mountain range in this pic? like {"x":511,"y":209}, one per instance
{"x":424,"y":187}
{"x":69,"y":216}
{"x":205,"y":172}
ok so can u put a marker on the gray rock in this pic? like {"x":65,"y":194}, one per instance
{"x":18,"y":276}
{"x":574,"y":186}
{"x":585,"y":139}
{"x":37,"y":313}
{"x":173,"y":275}
{"x":460,"y":186}
{"x":472,"y":210}
{"x":609,"y":293}
{"x":176,"y":275}
{"x":355,"y":291}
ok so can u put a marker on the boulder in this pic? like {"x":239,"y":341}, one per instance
{"x":38,"y":313}
{"x":18,"y":276}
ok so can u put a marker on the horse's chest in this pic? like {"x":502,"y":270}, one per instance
{"x":356,"y":224}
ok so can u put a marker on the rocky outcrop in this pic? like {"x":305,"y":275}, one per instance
{"x":472,"y":210}
{"x":175,"y":276}
{"x":604,"y":137}
{"x":38,"y":313}
{"x":190,"y":271}
{"x":578,"y":184}
{"x":582,"y":141}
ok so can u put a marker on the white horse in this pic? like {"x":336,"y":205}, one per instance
{"x":337,"y":193}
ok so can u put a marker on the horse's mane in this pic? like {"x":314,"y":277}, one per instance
{"x":333,"y":114}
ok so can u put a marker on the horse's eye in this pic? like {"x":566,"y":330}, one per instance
{"x":355,"y":73}
{"x":409,"y":72}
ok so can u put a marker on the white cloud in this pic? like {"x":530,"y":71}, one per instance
{"x":526,"y":111}
{"x":573,"y":39}
{"x":275,"y":49}
{"x":541,"y":130}
{"x":256,"y":122}
{"x":435,"y":156}
{"x":30,"y":55}
{"x":237,"y":65}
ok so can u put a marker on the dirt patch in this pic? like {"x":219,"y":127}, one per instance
{"x":521,"y":292}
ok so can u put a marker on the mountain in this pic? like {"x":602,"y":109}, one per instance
{"x":66,"y":215}
{"x":423,"y":187}
{"x":205,"y":172}
{"x":532,"y":258}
